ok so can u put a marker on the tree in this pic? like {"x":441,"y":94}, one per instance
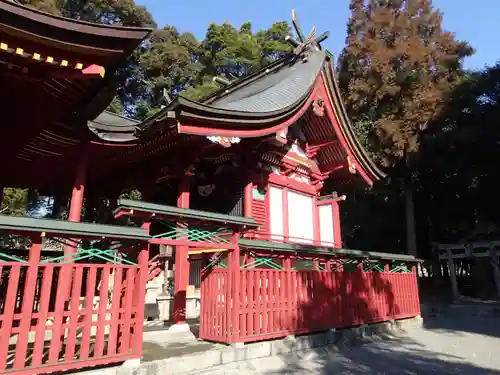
{"x":15,"y":202}
{"x":397,"y":72}
{"x":233,"y":54}
{"x":110,"y":12}
{"x":170,"y":62}
{"x":466,"y":169}
{"x":49,"y":6}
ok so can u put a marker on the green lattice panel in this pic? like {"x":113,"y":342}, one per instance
{"x":106,"y":255}
{"x":4,"y":257}
{"x":373,"y":266}
{"x":399,"y":267}
{"x":263,"y":263}
{"x":194,"y":234}
{"x":350,"y":265}
{"x":307,"y":265}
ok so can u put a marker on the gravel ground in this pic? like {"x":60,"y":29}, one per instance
{"x":462,"y":345}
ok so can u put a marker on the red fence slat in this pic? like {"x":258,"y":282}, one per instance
{"x":277,"y":303}
{"x":53,"y":318}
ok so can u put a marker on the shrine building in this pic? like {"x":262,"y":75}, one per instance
{"x":239,"y":224}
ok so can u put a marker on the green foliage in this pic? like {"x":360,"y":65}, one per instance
{"x":133,"y":194}
{"x":272,"y":42}
{"x":116,"y":107}
{"x":461,"y":184}
{"x":110,"y":12}
{"x":181,"y":65}
{"x":200,"y":91}
{"x":232,"y":53}
{"x":15,"y":202}
{"x":170,"y":62}
{"x":49,"y":6}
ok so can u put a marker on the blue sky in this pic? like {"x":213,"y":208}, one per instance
{"x":475,"y":21}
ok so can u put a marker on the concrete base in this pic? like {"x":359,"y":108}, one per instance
{"x":184,"y":327}
{"x":132,"y":363}
{"x":328,"y":342}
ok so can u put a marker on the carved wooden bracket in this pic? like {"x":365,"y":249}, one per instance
{"x":317,"y":184}
{"x":318,"y":106}
{"x":352,"y":165}
{"x":286,"y":169}
{"x":225,"y":142}
{"x":281,"y":136}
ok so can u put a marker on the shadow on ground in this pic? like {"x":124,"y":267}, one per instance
{"x":160,"y":343}
{"x":390,"y":356}
{"x":477,"y":319}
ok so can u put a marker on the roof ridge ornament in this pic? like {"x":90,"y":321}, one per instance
{"x":304,"y":46}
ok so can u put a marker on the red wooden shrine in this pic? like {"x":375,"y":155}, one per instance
{"x":236,"y":182}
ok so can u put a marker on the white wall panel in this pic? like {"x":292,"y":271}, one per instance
{"x":276,"y":212}
{"x":326,"y":233}
{"x":300,"y":217}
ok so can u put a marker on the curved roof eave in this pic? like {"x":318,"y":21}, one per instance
{"x":68,"y":39}
{"x":114,"y":128}
{"x":89,"y":43}
{"x":234,"y":120}
{"x":258,"y":105}
{"x":39,"y":17}
{"x":223,"y":122}
{"x":366,"y":162}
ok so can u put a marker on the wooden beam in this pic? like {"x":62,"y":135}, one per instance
{"x":203,"y":251}
{"x":494,"y":266}
{"x":453,"y":277}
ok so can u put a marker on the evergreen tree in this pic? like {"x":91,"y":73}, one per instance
{"x":397,"y":72}
{"x":233,"y":54}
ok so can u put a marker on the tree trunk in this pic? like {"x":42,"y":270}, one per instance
{"x":411,"y":236}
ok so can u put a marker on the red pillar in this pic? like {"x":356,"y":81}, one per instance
{"x":77,"y":195}
{"x":337,"y":233}
{"x":247,"y":200}
{"x":248,"y":212}
{"x":141,"y":281}
{"x":181,"y":274}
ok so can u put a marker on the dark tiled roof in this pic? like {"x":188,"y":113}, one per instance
{"x":111,"y":119}
{"x":276,"y":89}
{"x":114,"y":128}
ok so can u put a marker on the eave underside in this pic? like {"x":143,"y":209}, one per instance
{"x":51,"y":75}
{"x":50,"y":151}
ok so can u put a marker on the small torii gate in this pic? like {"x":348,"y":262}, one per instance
{"x":452,"y":252}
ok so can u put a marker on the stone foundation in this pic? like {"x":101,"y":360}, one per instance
{"x":329,"y":341}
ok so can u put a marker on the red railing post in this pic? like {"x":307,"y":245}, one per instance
{"x":141,"y":295}
{"x":233,"y":305}
{"x":28,"y":303}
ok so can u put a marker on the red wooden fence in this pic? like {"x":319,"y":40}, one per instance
{"x":275,"y":303}
{"x":57,"y":317}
